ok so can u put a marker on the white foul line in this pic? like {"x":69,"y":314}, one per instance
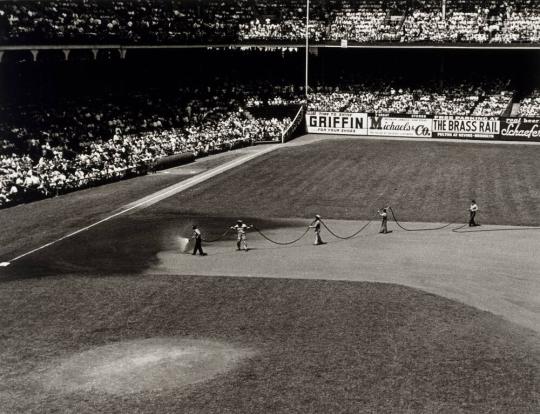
{"x":160,"y":195}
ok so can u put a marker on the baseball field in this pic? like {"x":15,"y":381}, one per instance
{"x":114,"y":318}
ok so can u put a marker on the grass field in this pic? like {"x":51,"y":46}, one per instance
{"x":350,"y":179}
{"x":316,"y":346}
{"x":324,"y":347}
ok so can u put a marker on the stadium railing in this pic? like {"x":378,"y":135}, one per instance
{"x":508,"y":110}
{"x":288,"y":133}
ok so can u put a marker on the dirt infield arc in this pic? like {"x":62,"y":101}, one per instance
{"x":495,"y":271}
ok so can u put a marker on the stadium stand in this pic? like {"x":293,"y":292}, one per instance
{"x":48,"y":151}
{"x":464,"y":98}
{"x":520,"y":23}
{"x":47,"y":148}
{"x":226,"y":21}
{"x":359,"y":24}
{"x":530,"y":105}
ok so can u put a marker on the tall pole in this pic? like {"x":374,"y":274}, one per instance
{"x":444,"y":9}
{"x":307,"y":48}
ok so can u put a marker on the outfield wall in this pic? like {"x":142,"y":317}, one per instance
{"x":424,"y":126}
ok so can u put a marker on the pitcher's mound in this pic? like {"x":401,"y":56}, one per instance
{"x":144,"y":365}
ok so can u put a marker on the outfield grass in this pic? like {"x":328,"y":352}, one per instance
{"x":321,"y":347}
{"x":351,"y":178}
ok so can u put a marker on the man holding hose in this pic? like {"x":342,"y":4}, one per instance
{"x":240,"y":229}
{"x":317,"y":226}
{"x":384,"y":223}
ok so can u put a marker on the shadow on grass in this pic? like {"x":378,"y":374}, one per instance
{"x":126,"y":245}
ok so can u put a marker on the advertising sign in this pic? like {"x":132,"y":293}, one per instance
{"x":520,"y":129}
{"x":337,"y":123}
{"x":399,"y":126}
{"x":447,"y":126}
{"x":466,"y":126}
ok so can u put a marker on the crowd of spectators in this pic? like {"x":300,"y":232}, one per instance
{"x":458,"y":98}
{"x":214,"y":21}
{"x":520,"y":25}
{"x":281,"y":30}
{"x":494,"y":104}
{"x":358,"y":24}
{"x":47,"y":151}
{"x":456,"y":26}
{"x":530,"y":105}
{"x":145,"y":21}
{"x":276,"y":95}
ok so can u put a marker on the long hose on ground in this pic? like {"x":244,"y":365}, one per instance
{"x":424,"y":229}
{"x":219,"y":238}
{"x":460,"y":231}
{"x":281,"y":243}
{"x":287,"y":243}
{"x":457,"y":229}
{"x":347,"y":237}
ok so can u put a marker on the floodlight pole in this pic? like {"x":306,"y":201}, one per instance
{"x":307,"y":48}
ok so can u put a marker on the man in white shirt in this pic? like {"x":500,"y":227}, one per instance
{"x":472,"y":214}
{"x":240,"y":229}
{"x":384,"y":222}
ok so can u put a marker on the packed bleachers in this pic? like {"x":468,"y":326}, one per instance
{"x":459,"y":98}
{"x":494,"y":104}
{"x":520,"y":25}
{"x":47,"y":151}
{"x":215,"y":21}
{"x":530,"y":105}
{"x":360,"y":23}
{"x":276,"y":29}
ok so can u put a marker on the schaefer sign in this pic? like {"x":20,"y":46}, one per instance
{"x":466,"y":127}
{"x":520,"y":129}
{"x":336,"y":123}
{"x":399,"y":126}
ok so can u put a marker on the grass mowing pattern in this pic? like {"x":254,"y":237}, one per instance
{"x":324,"y":347}
{"x":350,"y":179}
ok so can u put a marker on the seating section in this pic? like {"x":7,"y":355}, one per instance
{"x":218,"y":21}
{"x":459,"y":98}
{"x":47,"y":151}
{"x":530,"y":105}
